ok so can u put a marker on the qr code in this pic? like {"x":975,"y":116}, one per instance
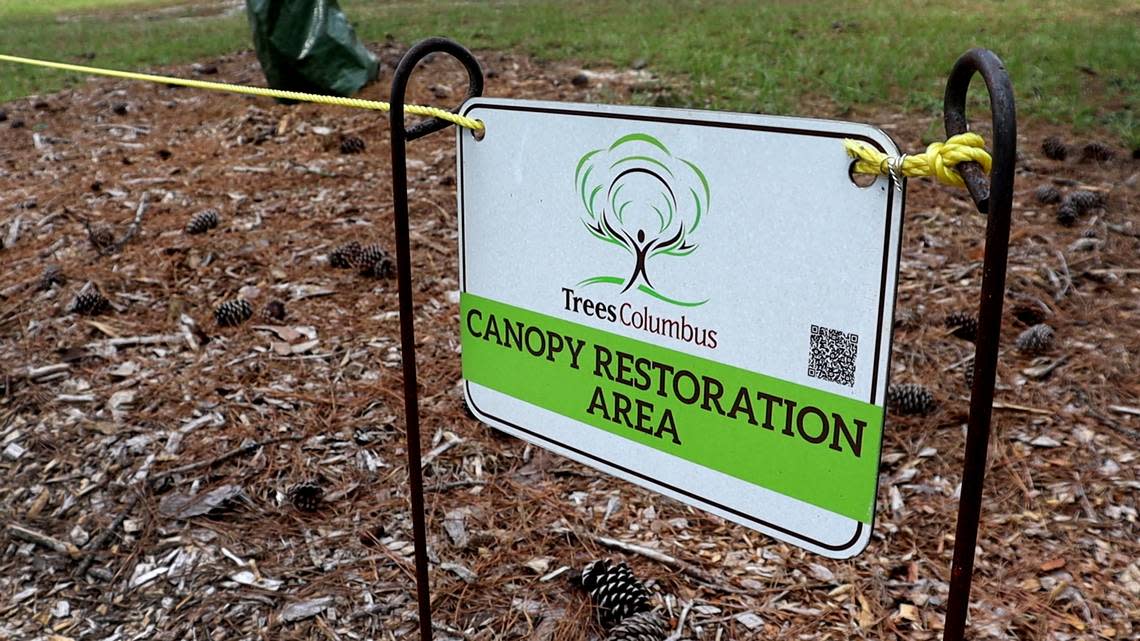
{"x":833,"y":355}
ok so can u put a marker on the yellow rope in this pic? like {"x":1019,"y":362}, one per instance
{"x":938,"y":160}
{"x":357,"y":103}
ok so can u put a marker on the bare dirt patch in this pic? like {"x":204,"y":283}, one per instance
{"x":158,"y":450}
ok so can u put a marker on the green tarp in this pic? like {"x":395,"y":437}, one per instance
{"x":308,"y":45}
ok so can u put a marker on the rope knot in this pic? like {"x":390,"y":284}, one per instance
{"x":938,"y":160}
{"x":943,"y":156}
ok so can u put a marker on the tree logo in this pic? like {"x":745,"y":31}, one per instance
{"x":640,"y":197}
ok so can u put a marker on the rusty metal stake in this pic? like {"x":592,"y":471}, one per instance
{"x":995,"y":200}
{"x":400,"y":137}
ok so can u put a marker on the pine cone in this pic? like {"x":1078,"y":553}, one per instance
{"x":1047,"y":195}
{"x":1086,"y":201}
{"x":643,"y":626}
{"x":616,"y":593}
{"x":307,"y":496}
{"x":202,"y":222}
{"x":274,"y":311}
{"x":101,"y":237}
{"x":382,"y":268}
{"x":351,"y":145}
{"x":1097,"y":151}
{"x":374,"y":262}
{"x":369,"y":254}
{"x":90,"y":303}
{"x":963,"y":325}
{"x":1067,"y":213}
{"x":909,"y":399}
{"x":1035,"y":340}
{"x":234,"y":312}
{"x":52,"y":275}
{"x":345,"y":256}
{"x":1054,"y":148}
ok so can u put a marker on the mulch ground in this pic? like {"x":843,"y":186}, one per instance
{"x":149,"y":457}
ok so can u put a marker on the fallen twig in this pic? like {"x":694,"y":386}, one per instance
{"x":142,"y":129}
{"x":14,"y":289}
{"x":75,"y":398}
{"x":35,"y":375}
{"x":1125,"y":271}
{"x":1120,"y":429}
{"x":133,"y":229}
{"x":40,"y":373}
{"x":140,"y":211}
{"x":451,"y":485}
{"x":218,"y":460}
{"x":13,"y":232}
{"x":660,"y":557}
{"x":39,"y":538}
{"x":998,"y":405}
{"x":442,"y":627}
{"x":452,"y":441}
{"x":1124,"y":409}
{"x":132,"y":341}
{"x":94,"y":545}
{"x":962,"y":361}
{"x":680,"y":622}
{"x":1124,"y":231}
{"x":1067,"y":283}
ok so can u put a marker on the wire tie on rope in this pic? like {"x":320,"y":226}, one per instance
{"x":895,"y":167}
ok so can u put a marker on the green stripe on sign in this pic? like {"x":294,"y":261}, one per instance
{"x":809,"y":444}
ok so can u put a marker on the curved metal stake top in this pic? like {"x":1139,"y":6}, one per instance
{"x":400,"y":137}
{"x":997,"y":201}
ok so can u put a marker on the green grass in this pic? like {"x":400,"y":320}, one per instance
{"x":114,"y":36}
{"x":1073,"y":63}
{"x":61,"y":7}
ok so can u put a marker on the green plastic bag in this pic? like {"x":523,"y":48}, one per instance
{"x":308,"y":45}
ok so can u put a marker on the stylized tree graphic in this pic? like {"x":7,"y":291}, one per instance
{"x":640,"y":197}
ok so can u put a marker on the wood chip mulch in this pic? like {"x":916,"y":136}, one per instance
{"x":163,"y":477}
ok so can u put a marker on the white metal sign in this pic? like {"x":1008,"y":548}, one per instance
{"x":697,"y":302}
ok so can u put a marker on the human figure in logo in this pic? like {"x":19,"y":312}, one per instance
{"x":638,"y":196}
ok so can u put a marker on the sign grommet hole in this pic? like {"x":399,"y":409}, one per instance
{"x":479,"y":134}
{"x":861,"y":180}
